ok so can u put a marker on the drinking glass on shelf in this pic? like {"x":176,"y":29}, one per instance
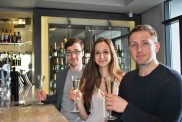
{"x":41,"y":79}
{"x":109,"y":83}
{"x":76,"y":85}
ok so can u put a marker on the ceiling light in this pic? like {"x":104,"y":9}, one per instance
{"x":21,"y":21}
{"x":130,"y":14}
{"x":52,"y":29}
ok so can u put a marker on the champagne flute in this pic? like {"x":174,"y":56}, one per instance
{"x":41,"y":79}
{"x":109,"y":83}
{"x":76,"y":85}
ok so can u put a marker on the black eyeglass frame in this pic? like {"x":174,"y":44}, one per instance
{"x":76,"y":52}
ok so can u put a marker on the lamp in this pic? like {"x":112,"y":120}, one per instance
{"x":69,"y":26}
{"x":130,"y":14}
{"x":109,"y":23}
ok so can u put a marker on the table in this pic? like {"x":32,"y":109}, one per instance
{"x":32,"y":113}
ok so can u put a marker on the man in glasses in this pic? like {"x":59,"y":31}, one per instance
{"x":74,"y":48}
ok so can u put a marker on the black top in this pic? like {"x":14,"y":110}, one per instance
{"x":156,"y":97}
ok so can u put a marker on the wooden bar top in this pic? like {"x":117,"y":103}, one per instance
{"x":32,"y":113}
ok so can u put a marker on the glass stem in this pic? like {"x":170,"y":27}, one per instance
{"x":110,"y":113}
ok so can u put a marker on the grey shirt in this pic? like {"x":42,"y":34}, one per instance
{"x":67,"y":104}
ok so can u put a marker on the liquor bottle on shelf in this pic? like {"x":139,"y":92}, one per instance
{"x":6,"y":36}
{"x":1,"y":61}
{"x":52,"y":85}
{"x":56,"y":65}
{"x":3,"y":55}
{"x":18,"y":38}
{"x":14,"y":38}
{"x":2,"y":36}
{"x":62,"y":56}
{"x":120,"y":52}
{"x":19,"y":59}
{"x":116,"y":50}
{"x":61,"y":62}
{"x":8,"y":60}
{"x":61,"y":50}
{"x":10,"y":37}
{"x":54,"y":52}
{"x":14,"y":85}
{"x":14,"y":62}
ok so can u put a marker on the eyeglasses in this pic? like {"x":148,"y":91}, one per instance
{"x":68,"y":53}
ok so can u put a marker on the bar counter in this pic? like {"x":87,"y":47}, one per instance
{"x":32,"y":113}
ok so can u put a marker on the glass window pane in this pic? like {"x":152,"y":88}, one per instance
{"x":175,"y":45}
{"x":175,"y":6}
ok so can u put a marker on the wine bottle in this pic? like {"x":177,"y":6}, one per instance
{"x":2,"y":36}
{"x":8,"y":60}
{"x":56,"y":64}
{"x":52,"y":84}
{"x":3,"y":55}
{"x":14,"y":63}
{"x":19,"y":59}
{"x":14,"y":85}
{"x":18,"y":38}
{"x":55,"y":50}
{"x":6,"y":36}
{"x":61,"y":50}
{"x":61,"y":62}
{"x":116,"y":50}
{"x":1,"y":63}
{"x":10,"y":37}
{"x":54,"y":79}
{"x":14,"y":38}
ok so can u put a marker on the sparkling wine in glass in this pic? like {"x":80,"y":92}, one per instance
{"x":109,"y":83}
{"x":41,"y":79}
{"x":76,"y":85}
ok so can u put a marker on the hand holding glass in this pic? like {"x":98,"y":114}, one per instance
{"x":109,"y":83}
{"x":41,"y":79}
{"x":76,"y":85}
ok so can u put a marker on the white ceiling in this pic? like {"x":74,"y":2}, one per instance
{"x":116,"y":6}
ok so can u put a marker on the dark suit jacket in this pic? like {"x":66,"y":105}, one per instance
{"x":60,"y":82}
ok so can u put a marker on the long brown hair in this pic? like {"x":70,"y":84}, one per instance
{"x":91,"y":77}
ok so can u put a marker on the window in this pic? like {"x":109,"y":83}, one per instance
{"x":172,"y":22}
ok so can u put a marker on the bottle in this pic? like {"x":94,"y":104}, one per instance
{"x":1,"y":63}
{"x":8,"y":60}
{"x":6,"y":36}
{"x":61,"y":50}
{"x":56,"y":65}
{"x":116,"y":50}
{"x":3,"y":55}
{"x":18,"y":38}
{"x":14,"y":85}
{"x":2,"y":36}
{"x":55,"y":54}
{"x":52,"y":84}
{"x":19,"y":59}
{"x":14,"y":38}
{"x":10,"y":37}
{"x":14,"y":62}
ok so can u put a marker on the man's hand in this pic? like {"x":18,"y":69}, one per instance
{"x":115,"y":103}
{"x":41,"y":95}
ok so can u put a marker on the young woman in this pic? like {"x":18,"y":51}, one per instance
{"x":91,"y":97}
